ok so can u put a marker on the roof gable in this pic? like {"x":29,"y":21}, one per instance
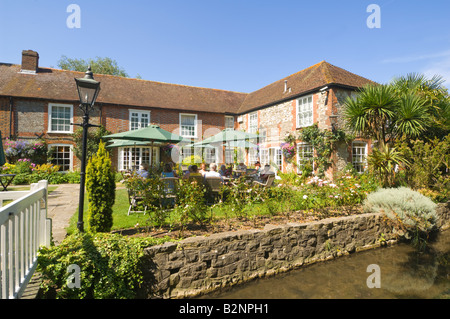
{"x":307,"y":80}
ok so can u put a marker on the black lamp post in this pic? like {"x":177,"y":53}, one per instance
{"x":88,"y":90}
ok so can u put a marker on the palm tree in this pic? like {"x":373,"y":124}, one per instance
{"x":370,"y":114}
{"x":411,"y":116}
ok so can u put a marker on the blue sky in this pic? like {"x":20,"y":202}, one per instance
{"x":238,"y":45}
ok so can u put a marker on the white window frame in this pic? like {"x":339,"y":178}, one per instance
{"x":195,"y":125}
{"x":128,"y":152}
{"x":50,"y":111}
{"x":228,"y":119}
{"x":298,"y":112}
{"x":276,"y":158}
{"x":301,"y":157}
{"x":139,"y":113}
{"x":359,"y":161}
{"x":50,"y":146}
{"x":253,"y":122}
{"x":229,"y":155}
{"x":264,"y":156}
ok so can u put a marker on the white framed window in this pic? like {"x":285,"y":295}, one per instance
{"x":305,"y":154}
{"x":305,"y":111}
{"x":210,"y":155}
{"x":139,"y":119}
{"x":229,"y":155}
{"x":252,"y":156}
{"x":229,"y":121}
{"x":264,"y":156}
{"x":59,"y":118}
{"x":185,"y":152}
{"x":276,"y":157}
{"x":61,"y":155}
{"x":188,"y":125}
{"x":131,"y":157}
{"x":359,"y":156}
{"x":253,"y":122}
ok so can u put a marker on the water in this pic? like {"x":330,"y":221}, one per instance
{"x":404,"y":273}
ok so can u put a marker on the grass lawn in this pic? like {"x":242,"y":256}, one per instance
{"x":123,"y":221}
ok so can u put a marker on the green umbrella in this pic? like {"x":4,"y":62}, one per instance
{"x":245,"y":144}
{"x":125,"y":143}
{"x":2,"y":153}
{"x":227,"y":135}
{"x":152,"y":133}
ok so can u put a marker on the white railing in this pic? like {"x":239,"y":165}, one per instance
{"x":24,"y":227}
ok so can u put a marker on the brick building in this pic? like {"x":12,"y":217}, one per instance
{"x":42,"y":102}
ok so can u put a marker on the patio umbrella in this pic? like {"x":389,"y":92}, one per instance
{"x":245,"y":144}
{"x":152,"y":133}
{"x":149,"y":134}
{"x":2,"y":153}
{"x":125,"y":143}
{"x":227,"y":135}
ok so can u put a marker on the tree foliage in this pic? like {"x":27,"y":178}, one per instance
{"x":93,"y":140}
{"x":101,"y":187}
{"x":98,"y":65}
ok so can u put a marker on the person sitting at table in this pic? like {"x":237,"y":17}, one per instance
{"x":202,"y":169}
{"x":223,"y":170}
{"x":241,"y":167}
{"x":213,"y":172}
{"x":168,"y":171}
{"x":193,"y":171}
{"x":143,"y":171}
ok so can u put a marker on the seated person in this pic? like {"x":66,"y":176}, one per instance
{"x":257,"y":170}
{"x":143,"y":171}
{"x":168,"y":171}
{"x":213,"y":172}
{"x":193,"y":171}
{"x":241,"y":167}
{"x":223,"y":170}
{"x":202,"y":169}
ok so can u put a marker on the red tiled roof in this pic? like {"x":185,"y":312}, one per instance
{"x":307,"y":80}
{"x":54,"y":84}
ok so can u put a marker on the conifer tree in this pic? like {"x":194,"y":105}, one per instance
{"x":100,"y":187}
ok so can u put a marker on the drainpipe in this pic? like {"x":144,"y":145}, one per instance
{"x":10,"y":116}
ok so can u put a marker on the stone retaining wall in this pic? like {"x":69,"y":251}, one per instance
{"x":199,"y":265}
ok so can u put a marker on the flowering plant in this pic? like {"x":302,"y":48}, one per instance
{"x":35,"y":150}
{"x":288,"y":151}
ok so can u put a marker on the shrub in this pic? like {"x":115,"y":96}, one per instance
{"x":110,"y":266}
{"x":101,"y":187}
{"x":35,"y":150}
{"x":192,"y":160}
{"x":412,"y":214}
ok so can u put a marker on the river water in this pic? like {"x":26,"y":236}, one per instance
{"x":403,"y":273}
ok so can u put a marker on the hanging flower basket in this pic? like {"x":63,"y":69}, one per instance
{"x":288,"y":151}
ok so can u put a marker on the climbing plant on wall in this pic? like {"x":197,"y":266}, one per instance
{"x":324,"y":143}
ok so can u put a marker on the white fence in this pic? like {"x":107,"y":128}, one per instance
{"x":24,"y":227}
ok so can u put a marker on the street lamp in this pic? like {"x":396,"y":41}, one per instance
{"x":88,"y":90}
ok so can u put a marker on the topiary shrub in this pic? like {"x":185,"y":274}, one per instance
{"x":110,"y":266}
{"x":101,"y":190}
{"x":412,"y":214}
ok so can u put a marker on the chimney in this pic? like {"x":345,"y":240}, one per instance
{"x":30,"y":62}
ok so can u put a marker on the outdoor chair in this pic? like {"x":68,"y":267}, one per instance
{"x":268,"y":183}
{"x":199,"y":179}
{"x":135,"y":201}
{"x":214,"y":186}
{"x":169,"y":194}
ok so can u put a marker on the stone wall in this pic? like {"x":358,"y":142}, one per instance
{"x":199,"y":265}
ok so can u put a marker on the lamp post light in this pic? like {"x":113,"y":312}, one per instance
{"x":88,"y":90}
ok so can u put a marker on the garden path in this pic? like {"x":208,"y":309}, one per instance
{"x":62,"y":205}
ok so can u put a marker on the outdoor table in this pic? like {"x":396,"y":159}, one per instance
{"x":9,"y":178}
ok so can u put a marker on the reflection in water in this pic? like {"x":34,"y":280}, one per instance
{"x":405,"y":273}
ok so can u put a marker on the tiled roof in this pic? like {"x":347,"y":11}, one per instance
{"x":54,"y":84}
{"x":307,"y":80}
{"x":60,"y":85}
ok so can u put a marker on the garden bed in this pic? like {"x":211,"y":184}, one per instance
{"x":235,"y":224}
